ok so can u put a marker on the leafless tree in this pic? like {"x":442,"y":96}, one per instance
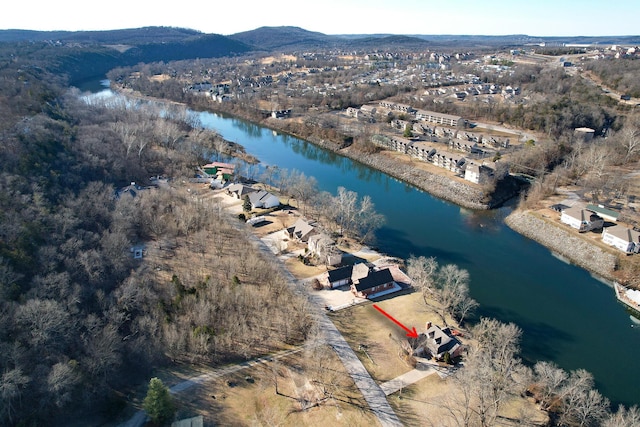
{"x":623,"y":417}
{"x":629,"y":142}
{"x":12,"y":385}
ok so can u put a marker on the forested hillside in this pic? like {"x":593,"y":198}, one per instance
{"x":81,"y":320}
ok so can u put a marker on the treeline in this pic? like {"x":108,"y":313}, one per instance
{"x":620,"y":75}
{"x":80,"y":319}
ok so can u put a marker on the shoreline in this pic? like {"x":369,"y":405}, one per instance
{"x":578,"y":252}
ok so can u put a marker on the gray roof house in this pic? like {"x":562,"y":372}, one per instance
{"x":581,"y":219}
{"x":302,"y":230}
{"x":622,"y":238}
{"x":437,"y":341}
{"x":263,"y":199}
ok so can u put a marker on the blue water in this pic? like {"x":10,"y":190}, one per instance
{"x":566,"y":315}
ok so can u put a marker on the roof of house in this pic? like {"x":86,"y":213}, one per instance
{"x":373,"y":279}
{"x":360,"y":270}
{"x":604,"y":211}
{"x":623,"y":233}
{"x":440,"y":340}
{"x":260,"y":195}
{"x":301,"y":228}
{"x":341,"y":273}
{"x":240,"y":189}
{"x":581,"y":214}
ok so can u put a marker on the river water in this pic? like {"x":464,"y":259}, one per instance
{"x":567,"y":316}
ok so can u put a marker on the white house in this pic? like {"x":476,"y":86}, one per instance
{"x":581,"y":219}
{"x":622,"y":238}
{"x":478,"y":173}
{"x":263,"y":199}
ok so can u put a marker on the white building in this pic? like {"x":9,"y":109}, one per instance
{"x":581,"y":219}
{"x":622,"y":238}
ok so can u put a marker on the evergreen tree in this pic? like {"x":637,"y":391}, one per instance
{"x":158,"y":403}
{"x":246,"y":206}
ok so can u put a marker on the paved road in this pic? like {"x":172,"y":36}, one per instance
{"x":371,"y":391}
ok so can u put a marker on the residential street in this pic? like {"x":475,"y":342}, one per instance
{"x":371,"y":391}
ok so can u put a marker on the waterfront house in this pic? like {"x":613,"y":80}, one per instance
{"x":436,"y":342}
{"x":581,"y":219}
{"x":301,"y":230}
{"x":220,"y":170}
{"x":263,"y":199}
{"x":374,"y":282}
{"x":478,"y":174}
{"x":606,"y":214}
{"x":622,"y":238}
{"x":240,"y":190}
{"x":348,"y":274}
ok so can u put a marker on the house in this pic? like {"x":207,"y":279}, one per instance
{"x":581,"y":219}
{"x":348,"y":274}
{"x":478,"y":173}
{"x":374,"y":282}
{"x":605,"y":213}
{"x":240,"y":190}
{"x":263,"y":199}
{"x":222,"y":171}
{"x":340,"y":276}
{"x":280,"y":114}
{"x":132,"y":190}
{"x":436,"y":342}
{"x":301,"y":230}
{"x":324,"y":247}
{"x":622,"y":238}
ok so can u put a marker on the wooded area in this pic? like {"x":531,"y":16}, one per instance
{"x":81,"y":320}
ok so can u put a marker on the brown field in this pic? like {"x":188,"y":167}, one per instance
{"x":248,"y":397}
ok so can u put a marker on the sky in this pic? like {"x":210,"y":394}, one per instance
{"x":475,"y":17}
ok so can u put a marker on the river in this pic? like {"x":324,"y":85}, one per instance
{"x":566,"y":315}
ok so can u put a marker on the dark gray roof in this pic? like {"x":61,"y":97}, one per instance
{"x":375,"y":278}
{"x":340,"y":273}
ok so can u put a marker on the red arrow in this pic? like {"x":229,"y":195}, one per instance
{"x":410,"y":333}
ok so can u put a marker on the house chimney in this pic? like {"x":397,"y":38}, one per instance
{"x":427,"y":326}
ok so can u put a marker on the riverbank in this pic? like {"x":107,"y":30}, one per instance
{"x":576,"y":250}
{"x":443,"y":185}
{"x":440,"y":183}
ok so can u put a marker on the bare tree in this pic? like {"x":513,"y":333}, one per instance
{"x":446,"y":285}
{"x":491,"y":375}
{"x":623,"y":417}
{"x":629,"y":142}
{"x":12,"y":384}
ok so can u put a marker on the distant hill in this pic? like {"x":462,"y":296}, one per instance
{"x":126,"y":36}
{"x":279,"y":38}
{"x":91,"y":54}
{"x":86,"y":55}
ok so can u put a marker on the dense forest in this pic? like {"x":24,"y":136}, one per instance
{"x":81,"y":320}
